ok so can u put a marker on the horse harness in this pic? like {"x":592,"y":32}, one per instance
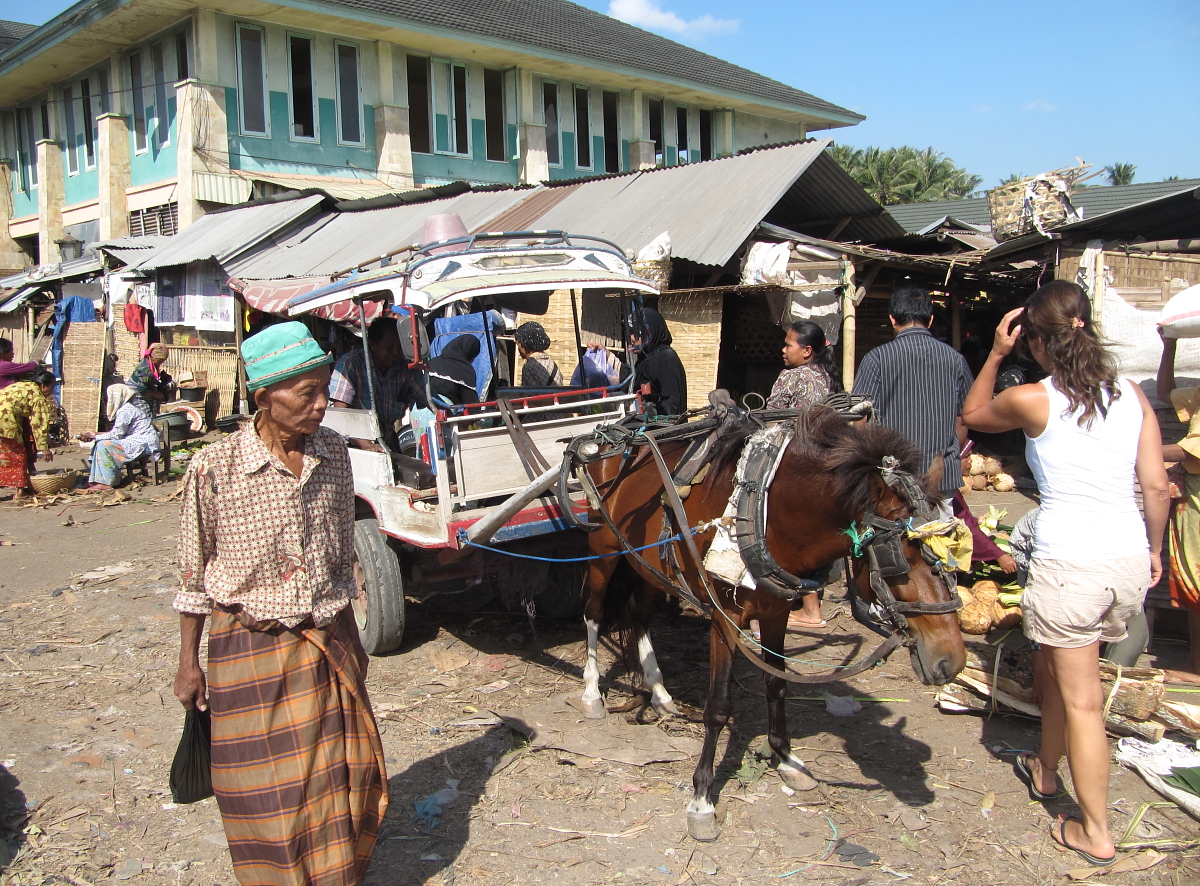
{"x":879,"y":541}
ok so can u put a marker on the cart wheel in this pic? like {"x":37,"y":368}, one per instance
{"x":379,"y":607}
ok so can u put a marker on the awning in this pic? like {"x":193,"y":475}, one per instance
{"x":272,"y":296}
{"x":11,"y":299}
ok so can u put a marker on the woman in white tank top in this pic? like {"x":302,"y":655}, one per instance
{"x":1088,"y":434}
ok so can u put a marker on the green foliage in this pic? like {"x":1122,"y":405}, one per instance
{"x":1012,"y":179}
{"x":905,"y":175}
{"x":1171,"y":178}
{"x":1120,"y":173}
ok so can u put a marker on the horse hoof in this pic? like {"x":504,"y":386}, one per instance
{"x":593,"y":709}
{"x":797,"y":779}
{"x":702,"y":826}
{"x":666,"y":708}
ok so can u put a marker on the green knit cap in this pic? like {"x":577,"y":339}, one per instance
{"x":280,"y":352}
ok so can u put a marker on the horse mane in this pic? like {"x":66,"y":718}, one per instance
{"x":848,"y":455}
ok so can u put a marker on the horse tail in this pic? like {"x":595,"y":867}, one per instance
{"x":620,"y":611}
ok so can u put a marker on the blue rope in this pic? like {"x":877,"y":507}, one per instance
{"x":462,"y":538}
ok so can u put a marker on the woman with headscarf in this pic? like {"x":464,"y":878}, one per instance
{"x":452,"y":373}
{"x":266,"y":558}
{"x":659,"y":375}
{"x":25,"y":417}
{"x":133,"y":434}
{"x":149,"y":380}
{"x":539,"y":371}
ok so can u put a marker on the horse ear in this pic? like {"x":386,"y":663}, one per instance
{"x":933,"y":477}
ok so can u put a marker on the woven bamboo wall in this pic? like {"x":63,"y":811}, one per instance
{"x":695,"y":324}
{"x":13,"y":327}
{"x":82,"y":370}
{"x":1146,"y":282}
{"x":599,"y":321}
{"x":221,"y":366}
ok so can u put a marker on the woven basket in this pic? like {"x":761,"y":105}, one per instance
{"x":1048,"y":206}
{"x":657,"y":271}
{"x":53,"y":481}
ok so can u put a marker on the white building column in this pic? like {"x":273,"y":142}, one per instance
{"x":51,"y":199}
{"x":12,"y":258}
{"x":393,"y":145}
{"x":533,"y":165}
{"x":114,"y":173}
{"x":641,"y":146}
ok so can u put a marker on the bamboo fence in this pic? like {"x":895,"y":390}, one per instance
{"x":82,"y":375}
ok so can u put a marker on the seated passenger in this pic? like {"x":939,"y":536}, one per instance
{"x":659,"y":375}
{"x":539,"y":371}
{"x":809,"y":373}
{"x":452,"y":373}
{"x":396,"y":386}
{"x":601,"y":368}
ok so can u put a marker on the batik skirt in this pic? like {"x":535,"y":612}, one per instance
{"x":108,"y":461}
{"x":16,"y":460}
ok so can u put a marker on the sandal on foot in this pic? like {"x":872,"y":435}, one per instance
{"x":1061,"y":840}
{"x":1025,"y":773}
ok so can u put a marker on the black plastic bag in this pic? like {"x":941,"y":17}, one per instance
{"x":191,"y":779}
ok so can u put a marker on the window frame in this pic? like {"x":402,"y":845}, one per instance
{"x":683,"y":151}
{"x":70,"y":131}
{"x":312,"y":76}
{"x":162,"y":133}
{"x":586,"y":137}
{"x":26,"y":150}
{"x":430,"y":134}
{"x":358,"y":80}
{"x":660,"y":143}
{"x":615,"y":147}
{"x":557,"y":123}
{"x":506,"y":158}
{"x":91,"y":137}
{"x":451,"y":149}
{"x":712,"y":134}
{"x":239,"y":27}
{"x":138,"y":97}
{"x":183,"y":55}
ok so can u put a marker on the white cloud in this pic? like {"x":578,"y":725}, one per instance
{"x":983,"y":109}
{"x":1041,"y":105}
{"x":650,"y":15}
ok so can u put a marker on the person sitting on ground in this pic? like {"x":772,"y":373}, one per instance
{"x":1093,"y":556}
{"x":539,"y":371}
{"x":149,"y":380}
{"x":133,"y":435}
{"x":26,"y":413}
{"x":10,"y":371}
{"x":810,"y":372}
{"x":601,"y":368}
{"x":659,"y":375}
{"x":396,"y":387}
{"x":452,"y":373}
{"x":1183,"y":536}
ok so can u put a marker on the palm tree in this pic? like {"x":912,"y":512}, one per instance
{"x":1012,"y":179}
{"x":1120,"y":173}
{"x":905,"y":174}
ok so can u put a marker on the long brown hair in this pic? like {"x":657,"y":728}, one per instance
{"x":1059,"y":315}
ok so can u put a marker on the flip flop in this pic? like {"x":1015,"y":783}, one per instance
{"x":797,"y":623}
{"x":1061,"y":840}
{"x":1025,"y":773}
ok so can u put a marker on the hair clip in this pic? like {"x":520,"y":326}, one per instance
{"x":1076,"y":323}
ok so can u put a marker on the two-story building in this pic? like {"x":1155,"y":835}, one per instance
{"x":135,"y":117}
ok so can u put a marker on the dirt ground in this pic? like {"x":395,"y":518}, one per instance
{"x":88,"y":727}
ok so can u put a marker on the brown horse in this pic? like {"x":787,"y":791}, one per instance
{"x":829,"y":480}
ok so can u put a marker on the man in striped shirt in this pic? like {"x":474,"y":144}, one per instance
{"x":918,"y":385}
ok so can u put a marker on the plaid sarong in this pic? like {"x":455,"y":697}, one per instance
{"x":297,"y":764}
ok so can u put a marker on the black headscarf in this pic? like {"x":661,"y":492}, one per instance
{"x":660,"y":367}
{"x":532,"y":337}
{"x":451,"y":374}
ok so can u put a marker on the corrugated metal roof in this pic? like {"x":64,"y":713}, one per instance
{"x":332,"y":242}
{"x":224,"y":235}
{"x":341,"y":188}
{"x":710,"y":208}
{"x":1093,"y":201}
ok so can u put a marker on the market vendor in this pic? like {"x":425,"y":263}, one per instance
{"x":396,"y":387}
{"x":149,"y":381}
{"x":26,"y":413}
{"x":10,"y":371}
{"x":132,"y":435}
{"x":266,"y":556}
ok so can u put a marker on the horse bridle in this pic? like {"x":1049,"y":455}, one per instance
{"x":881,"y":543}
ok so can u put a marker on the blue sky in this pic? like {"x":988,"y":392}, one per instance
{"x":1008,"y":87}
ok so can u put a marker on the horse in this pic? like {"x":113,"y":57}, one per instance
{"x":835,"y":486}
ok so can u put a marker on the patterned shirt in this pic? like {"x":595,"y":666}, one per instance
{"x":252,"y":534}
{"x":20,"y":402}
{"x":918,"y":385}
{"x":540,"y":371}
{"x":133,"y":428}
{"x":799,"y":387}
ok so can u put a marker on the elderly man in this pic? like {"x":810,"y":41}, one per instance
{"x":395,"y":385}
{"x":266,"y":554}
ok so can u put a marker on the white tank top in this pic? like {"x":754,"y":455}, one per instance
{"x":1085,"y":477}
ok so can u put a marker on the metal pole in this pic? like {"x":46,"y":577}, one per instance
{"x":579,"y":349}
{"x":362,"y":326}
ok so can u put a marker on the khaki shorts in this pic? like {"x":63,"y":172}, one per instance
{"x":1069,"y":605}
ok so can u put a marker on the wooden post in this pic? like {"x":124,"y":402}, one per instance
{"x":955,"y":319}
{"x":239,"y":318}
{"x":849,"y":327}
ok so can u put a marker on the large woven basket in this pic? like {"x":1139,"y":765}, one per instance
{"x":657,"y":271}
{"x":1037,"y":203}
{"x":52,"y":482}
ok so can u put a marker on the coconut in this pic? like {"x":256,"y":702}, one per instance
{"x":976,"y":617}
{"x":965,"y":595}
{"x":1005,"y":616}
{"x":992,"y":466}
{"x":975,"y":463}
{"x":1003,"y":483}
{"x":979,"y":482}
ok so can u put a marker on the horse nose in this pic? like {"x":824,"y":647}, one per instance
{"x":944,"y":670}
